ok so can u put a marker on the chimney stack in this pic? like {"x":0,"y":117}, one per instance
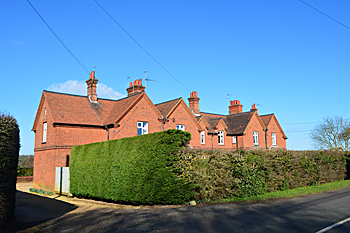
{"x":194,"y":102}
{"x":253,"y":109}
{"x":91,"y":87}
{"x":235,"y":107}
{"x":135,"y":87}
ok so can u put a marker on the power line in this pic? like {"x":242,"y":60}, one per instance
{"x":59,"y":39}
{"x":325,"y":14}
{"x":148,"y":52}
{"x":305,"y":123}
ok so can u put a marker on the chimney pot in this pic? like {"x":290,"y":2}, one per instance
{"x":91,"y":87}
{"x":194,"y":102}
{"x":253,"y":109}
{"x":235,"y":107}
{"x":135,"y":87}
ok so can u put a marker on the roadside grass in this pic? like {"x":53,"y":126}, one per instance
{"x":289,"y":193}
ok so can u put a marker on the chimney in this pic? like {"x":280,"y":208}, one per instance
{"x":253,"y":109}
{"x":235,"y":107}
{"x":135,"y":87}
{"x":194,"y":102}
{"x":91,"y":87}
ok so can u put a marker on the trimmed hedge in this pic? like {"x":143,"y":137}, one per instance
{"x":9,"y":152}
{"x":137,"y":170}
{"x":248,"y":173}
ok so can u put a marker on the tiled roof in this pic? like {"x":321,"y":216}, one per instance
{"x":266,"y":119}
{"x":166,"y":107}
{"x":120,"y":107}
{"x":236,"y":123}
{"x":75,"y":109}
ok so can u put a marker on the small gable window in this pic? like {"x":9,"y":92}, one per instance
{"x":221,"y":137}
{"x":255,"y":138}
{"x":234,"y":139}
{"x":203,"y":137}
{"x":180,"y":127}
{"x":142,"y":127}
{"x":44,"y":132}
{"x":273,"y":136}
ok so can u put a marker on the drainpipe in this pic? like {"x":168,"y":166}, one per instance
{"x":108,"y":132}
{"x":164,"y":120}
{"x":266,"y":138}
{"x":237,"y":142}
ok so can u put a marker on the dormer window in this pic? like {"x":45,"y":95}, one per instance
{"x":142,"y":127}
{"x":234,"y":139}
{"x":221,"y":137}
{"x":203,"y":137}
{"x":255,"y":138}
{"x":273,"y":136}
{"x":180,"y":127}
{"x":44,"y":132}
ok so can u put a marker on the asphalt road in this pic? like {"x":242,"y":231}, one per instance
{"x":304,"y":214}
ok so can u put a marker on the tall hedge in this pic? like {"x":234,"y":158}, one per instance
{"x":138,"y":170}
{"x":9,"y":152}
{"x":248,"y":173}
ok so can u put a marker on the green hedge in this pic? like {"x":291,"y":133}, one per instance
{"x":248,"y":173}
{"x":24,"y":171}
{"x":138,"y":170}
{"x":9,"y":152}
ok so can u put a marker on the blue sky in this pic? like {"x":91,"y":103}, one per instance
{"x":282,"y":55}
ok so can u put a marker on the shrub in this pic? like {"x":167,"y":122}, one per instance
{"x":9,"y":151}
{"x":248,"y":173}
{"x":137,"y":170}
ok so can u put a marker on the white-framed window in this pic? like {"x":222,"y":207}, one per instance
{"x":180,"y":127}
{"x":203,"y":137}
{"x":273,"y":136}
{"x":234,"y":139}
{"x":142,"y":127}
{"x":44,"y":132}
{"x":221,"y":137}
{"x":255,"y":138}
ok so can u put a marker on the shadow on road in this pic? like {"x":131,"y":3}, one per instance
{"x":32,"y":210}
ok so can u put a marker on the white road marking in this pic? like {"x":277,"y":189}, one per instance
{"x":333,"y":226}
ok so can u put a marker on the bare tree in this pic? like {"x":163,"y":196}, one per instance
{"x":333,"y":134}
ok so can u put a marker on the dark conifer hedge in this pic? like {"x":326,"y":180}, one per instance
{"x":138,"y":170}
{"x":9,"y":152}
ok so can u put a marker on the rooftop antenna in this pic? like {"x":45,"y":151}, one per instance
{"x":147,"y":79}
{"x":228,"y":99}
{"x":94,"y":67}
{"x":133,"y":89}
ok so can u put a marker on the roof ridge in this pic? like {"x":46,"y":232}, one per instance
{"x":168,"y":101}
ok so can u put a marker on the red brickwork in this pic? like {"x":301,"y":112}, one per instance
{"x":64,"y":130}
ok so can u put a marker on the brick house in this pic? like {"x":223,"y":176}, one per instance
{"x":65,"y":120}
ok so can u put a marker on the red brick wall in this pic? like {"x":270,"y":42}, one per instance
{"x":280,"y":141}
{"x":181,"y":117}
{"x":140,"y":112}
{"x":254,"y":125}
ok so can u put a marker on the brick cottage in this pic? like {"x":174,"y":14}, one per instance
{"x":65,"y":120}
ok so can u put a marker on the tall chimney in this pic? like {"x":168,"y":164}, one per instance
{"x":91,"y":87}
{"x":194,"y":102}
{"x":235,"y":107}
{"x":253,"y":109}
{"x":135,"y":87}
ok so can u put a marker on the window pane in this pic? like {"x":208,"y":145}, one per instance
{"x":44,"y":131}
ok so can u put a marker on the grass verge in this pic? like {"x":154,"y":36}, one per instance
{"x":291,"y":193}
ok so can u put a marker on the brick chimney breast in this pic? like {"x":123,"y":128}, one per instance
{"x":235,"y":107}
{"x":91,"y":87}
{"x":194,"y":102}
{"x":254,"y":109}
{"x":135,"y":87}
